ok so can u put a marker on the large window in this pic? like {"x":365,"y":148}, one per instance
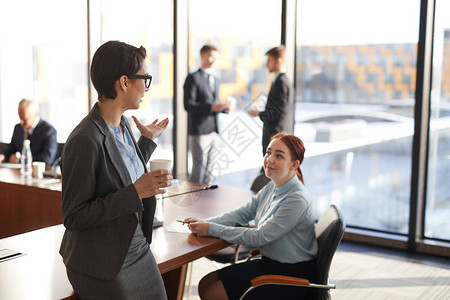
{"x":355,"y":85}
{"x":243,"y":31}
{"x":149,"y":24}
{"x":43,"y":56}
{"x":437,"y":222}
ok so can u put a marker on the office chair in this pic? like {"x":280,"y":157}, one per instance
{"x":329,"y":232}
{"x":60,"y":148}
{"x":231,"y":254}
{"x":3,"y":147}
{"x":259,"y":182}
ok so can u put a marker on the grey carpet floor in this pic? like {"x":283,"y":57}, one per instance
{"x":369,"y":273}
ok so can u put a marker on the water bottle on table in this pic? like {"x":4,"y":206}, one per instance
{"x":26,"y":159}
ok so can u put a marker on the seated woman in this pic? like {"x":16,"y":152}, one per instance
{"x":284,"y":229}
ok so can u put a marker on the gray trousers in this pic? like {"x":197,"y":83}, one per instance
{"x":204,"y":149}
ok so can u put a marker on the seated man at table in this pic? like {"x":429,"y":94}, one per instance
{"x":41,"y":134}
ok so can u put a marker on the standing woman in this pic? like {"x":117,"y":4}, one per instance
{"x":284,"y":229}
{"x":108,"y":199}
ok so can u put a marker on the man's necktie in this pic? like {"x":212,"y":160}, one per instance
{"x":26,"y":134}
{"x":212,"y":84}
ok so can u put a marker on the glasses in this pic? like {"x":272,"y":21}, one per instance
{"x":147,"y":79}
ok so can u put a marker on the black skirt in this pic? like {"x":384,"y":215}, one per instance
{"x":237,"y":279}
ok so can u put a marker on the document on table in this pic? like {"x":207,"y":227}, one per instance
{"x":178,"y":227}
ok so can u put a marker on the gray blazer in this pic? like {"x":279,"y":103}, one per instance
{"x":99,"y":201}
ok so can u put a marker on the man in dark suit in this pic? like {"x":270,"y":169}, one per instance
{"x":42,"y":136}
{"x":201,"y":101}
{"x":278,"y":114}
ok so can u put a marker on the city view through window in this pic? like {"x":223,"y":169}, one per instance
{"x":355,"y":86}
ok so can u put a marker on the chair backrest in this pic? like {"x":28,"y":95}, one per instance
{"x":3,"y":147}
{"x":259,"y":182}
{"x":329,"y":232}
{"x":60,"y":148}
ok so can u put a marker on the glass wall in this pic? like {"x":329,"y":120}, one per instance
{"x":355,"y":85}
{"x":243,"y":31}
{"x":149,"y":24}
{"x":437,"y":222}
{"x":43,"y":56}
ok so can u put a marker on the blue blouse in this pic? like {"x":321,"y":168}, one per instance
{"x":138,"y":246}
{"x":128,"y":151}
{"x":284,"y":223}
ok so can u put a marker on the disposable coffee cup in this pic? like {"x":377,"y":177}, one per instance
{"x":231,"y":101}
{"x":38,"y":169}
{"x":158,"y":164}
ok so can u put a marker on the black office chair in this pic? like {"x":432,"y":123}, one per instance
{"x":231,"y":254}
{"x":329,"y":232}
{"x":3,"y":147}
{"x":259,"y":182}
{"x":60,"y":148}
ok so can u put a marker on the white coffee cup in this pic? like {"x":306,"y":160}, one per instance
{"x":231,"y":101}
{"x":160,"y":164}
{"x":38,"y":169}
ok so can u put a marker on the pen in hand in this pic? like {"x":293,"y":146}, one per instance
{"x":182,"y":221}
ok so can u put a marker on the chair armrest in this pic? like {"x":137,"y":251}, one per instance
{"x":236,"y":254}
{"x":279,"y":279}
{"x":288,"y":280}
{"x":255,"y":252}
{"x":284,"y":280}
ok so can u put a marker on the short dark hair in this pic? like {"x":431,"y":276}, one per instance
{"x":207,"y":48}
{"x":277,"y":52}
{"x":112,"y":60}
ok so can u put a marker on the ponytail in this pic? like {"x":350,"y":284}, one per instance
{"x":300,"y":175}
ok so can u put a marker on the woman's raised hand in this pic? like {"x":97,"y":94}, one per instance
{"x":153,"y":130}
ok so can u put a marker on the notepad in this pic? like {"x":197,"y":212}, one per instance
{"x":177,"y":227}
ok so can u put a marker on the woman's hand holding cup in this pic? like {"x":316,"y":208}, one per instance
{"x":153,"y":183}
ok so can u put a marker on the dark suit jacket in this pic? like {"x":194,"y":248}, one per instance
{"x":99,"y":201}
{"x":43,"y":143}
{"x":198,"y":99}
{"x":278,"y":115}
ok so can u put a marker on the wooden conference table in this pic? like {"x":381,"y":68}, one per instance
{"x":40,"y":273}
{"x":27,"y":204}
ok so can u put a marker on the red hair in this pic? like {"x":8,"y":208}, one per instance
{"x":296,"y":149}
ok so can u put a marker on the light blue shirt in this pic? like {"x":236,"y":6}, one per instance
{"x":284,"y":223}
{"x":127,"y":151}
